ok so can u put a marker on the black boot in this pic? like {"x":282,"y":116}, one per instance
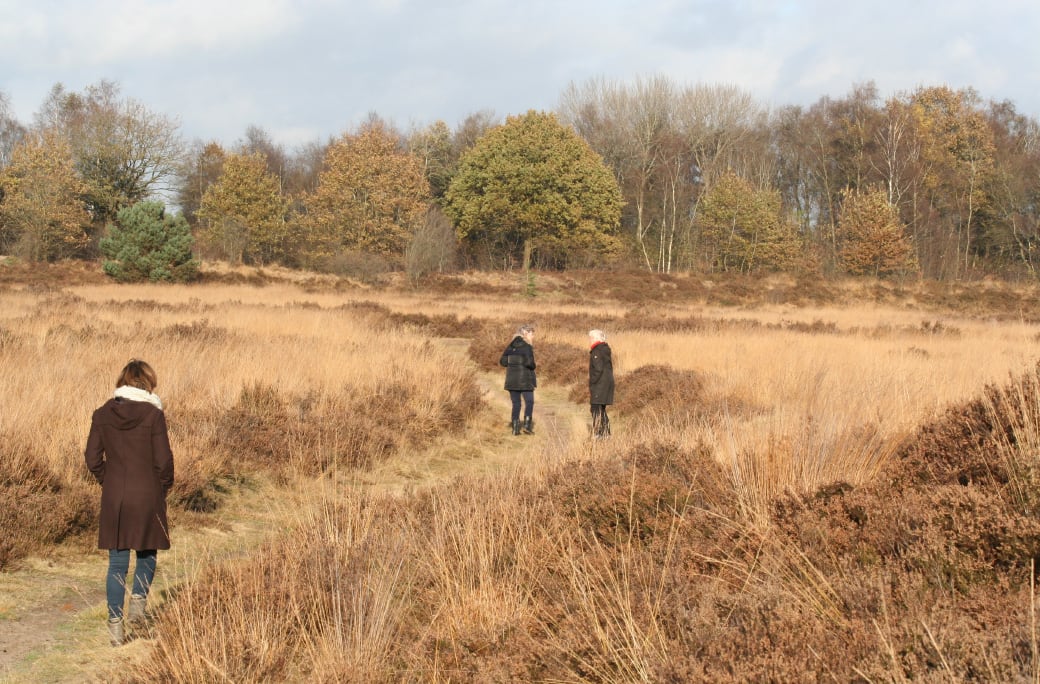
{"x":516,"y":427}
{"x":528,"y":426}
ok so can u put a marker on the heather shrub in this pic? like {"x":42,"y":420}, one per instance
{"x":350,"y":428}
{"x":38,"y":507}
{"x":934,"y":553}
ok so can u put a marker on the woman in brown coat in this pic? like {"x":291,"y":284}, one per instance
{"x":128,"y":452}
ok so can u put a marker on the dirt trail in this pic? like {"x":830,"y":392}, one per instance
{"x":52,"y":610}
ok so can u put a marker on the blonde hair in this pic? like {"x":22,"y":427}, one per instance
{"x":138,"y":374}
{"x":525,"y":330}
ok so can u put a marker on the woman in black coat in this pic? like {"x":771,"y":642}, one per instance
{"x":518,"y":359}
{"x":601,"y":382}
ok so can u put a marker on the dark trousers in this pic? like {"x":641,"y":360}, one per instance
{"x":528,"y":397}
{"x":600,"y":421}
{"x":115,"y":583}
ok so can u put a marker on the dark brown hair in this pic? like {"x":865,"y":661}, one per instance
{"x":138,"y":374}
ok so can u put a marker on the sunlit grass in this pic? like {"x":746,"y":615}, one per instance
{"x":421,"y":585}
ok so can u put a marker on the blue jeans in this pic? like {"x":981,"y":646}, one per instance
{"x":118,"y":567}
{"x":514,"y":396}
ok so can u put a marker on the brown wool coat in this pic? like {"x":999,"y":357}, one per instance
{"x":128,"y":452}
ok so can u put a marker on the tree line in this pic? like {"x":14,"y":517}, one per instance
{"x":933,"y":182}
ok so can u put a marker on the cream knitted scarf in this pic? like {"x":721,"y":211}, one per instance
{"x":137,"y":394}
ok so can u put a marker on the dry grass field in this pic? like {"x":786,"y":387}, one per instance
{"x":807,"y":481}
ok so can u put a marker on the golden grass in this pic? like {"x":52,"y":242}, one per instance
{"x":427,"y":585}
{"x":831,"y":406}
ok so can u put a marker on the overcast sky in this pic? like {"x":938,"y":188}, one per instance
{"x":310,"y":69}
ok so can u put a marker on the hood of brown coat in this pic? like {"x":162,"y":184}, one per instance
{"x":123,"y":414}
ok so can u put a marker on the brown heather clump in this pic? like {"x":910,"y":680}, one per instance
{"x":989,"y":299}
{"x":639,"y":495}
{"x":351,"y":429}
{"x":49,"y":276}
{"x":381,"y":317}
{"x":938,"y":554}
{"x":559,"y":363}
{"x":200,"y":331}
{"x":255,"y":278}
{"x":656,"y":389}
{"x":669,"y":394}
{"x":38,"y":507}
{"x":485,"y":349}
{"x":439,"y":325}
{"x":477,"y":283}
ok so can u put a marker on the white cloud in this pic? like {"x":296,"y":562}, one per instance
{"x":321,"y":65}
{"x":78,"y":34}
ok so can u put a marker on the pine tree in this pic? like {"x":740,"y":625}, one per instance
{"x":147,"y":244}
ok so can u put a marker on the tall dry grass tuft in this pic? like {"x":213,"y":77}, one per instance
{"x":355,"y":620}
{"x":618,"y":591}
{"x":474,"y":556}
{"x":363,"y":589}
{"x":38,"y":507}
{"x":800,"y":454}
{"x":323,"y":601}
{"x":1013,"y":411}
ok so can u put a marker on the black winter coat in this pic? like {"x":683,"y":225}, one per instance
{"x":518,"y":359}
{"x":601,"y":375}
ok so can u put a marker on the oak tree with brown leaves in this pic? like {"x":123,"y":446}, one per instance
{"x":371,"y":196}
{"x":244,"y":213}
{"x":42,"y":214}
